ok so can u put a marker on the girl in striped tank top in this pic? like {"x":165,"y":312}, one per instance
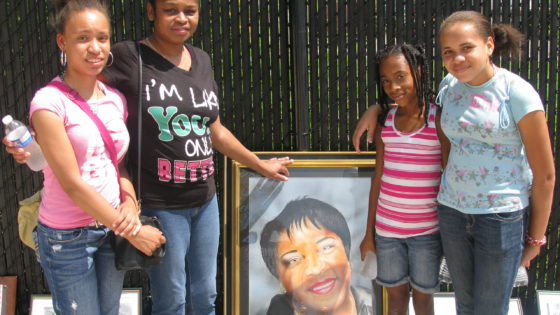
{"x":402,"y":227}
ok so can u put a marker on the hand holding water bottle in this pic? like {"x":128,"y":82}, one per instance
{"x":18,"y":135}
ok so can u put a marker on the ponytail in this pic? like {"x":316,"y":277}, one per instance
{"x":508,"y":41}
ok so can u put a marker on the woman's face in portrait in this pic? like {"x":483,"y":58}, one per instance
{"x":313,"y":267}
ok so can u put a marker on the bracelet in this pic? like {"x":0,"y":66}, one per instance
{"x":534,"y":242}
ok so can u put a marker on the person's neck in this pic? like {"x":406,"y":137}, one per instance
{"x":86,"y":86}
{"x":485,"y":76}
{"x":409,"y":111}
{"x":165,"y":48}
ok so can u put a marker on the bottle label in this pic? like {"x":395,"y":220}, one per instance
{"x":24,"y":140}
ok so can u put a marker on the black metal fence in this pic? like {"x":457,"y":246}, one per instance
{"x":293,"y":75}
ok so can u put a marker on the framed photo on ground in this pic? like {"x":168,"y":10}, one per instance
{"x":295,"y":244}
{"x":444,"y":304}
{"x":549,"y":302}
{"x":8,"y":286}
{"x":41,"y":305}
{"x":130,"y":303}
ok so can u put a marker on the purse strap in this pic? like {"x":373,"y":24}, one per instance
{"x":139,"y":114}
{"x":79,"y":100}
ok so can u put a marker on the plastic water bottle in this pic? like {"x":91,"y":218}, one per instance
{"x":18,"y":133}
{"x":369,"y":267}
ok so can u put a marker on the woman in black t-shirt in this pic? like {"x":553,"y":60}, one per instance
{"x":180,"y":128}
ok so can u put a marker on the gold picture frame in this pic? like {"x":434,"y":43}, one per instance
{"x":340,"y":179}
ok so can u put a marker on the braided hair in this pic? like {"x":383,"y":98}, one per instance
{"x":416,"y":59}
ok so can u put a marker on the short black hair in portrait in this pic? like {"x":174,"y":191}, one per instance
{"x":294,"y":215}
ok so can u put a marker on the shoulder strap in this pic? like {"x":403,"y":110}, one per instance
{"x":76,"y":98}
{"x":139,"y":113}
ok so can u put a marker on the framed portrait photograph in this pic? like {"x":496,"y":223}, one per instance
{"x":8,"y":286}
{"x":130,"y":303}
{"x":549,"y":302}
{"x":295,"y":245}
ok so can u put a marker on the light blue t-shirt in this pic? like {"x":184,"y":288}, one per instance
{"x":487,"y":170}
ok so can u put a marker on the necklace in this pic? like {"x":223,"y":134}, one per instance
{"x":182,"y":62}
{"x":93,"y":101}
{"x":98,"y":94}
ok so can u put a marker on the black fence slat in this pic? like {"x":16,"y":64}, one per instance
{"x":341,"y":122}
{"x":353,"y":87}
{"x":320,"y":123}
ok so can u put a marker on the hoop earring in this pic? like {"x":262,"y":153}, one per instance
{"x":110,"y":58}
{"x":62,"y":59}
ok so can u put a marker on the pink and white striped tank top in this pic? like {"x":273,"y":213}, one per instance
{"x":410,"y":181}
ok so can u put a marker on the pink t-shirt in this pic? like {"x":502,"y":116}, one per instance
{"x":409,"y":185}
{"x":57,"y":210}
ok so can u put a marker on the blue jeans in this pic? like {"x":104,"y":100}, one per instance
{"x":79,"y":265}
{"x":413,"y":259}
{"x":185,"y":281}
{"x":483,"y":253}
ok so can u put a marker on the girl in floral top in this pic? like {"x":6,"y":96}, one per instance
{"x":500,"y":156}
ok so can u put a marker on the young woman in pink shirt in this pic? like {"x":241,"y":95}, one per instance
{"x":81,"y":198}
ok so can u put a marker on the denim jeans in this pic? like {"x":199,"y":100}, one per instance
{"x":185,"y":281}
{"x":413,"y":259}
{"x":483,"y":253}
{"x":79,"y":265}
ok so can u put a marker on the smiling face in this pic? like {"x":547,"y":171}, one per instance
{"x":85,"y":41}
{"x":466,"y":54}
{"x":175,"y":21}
{"x":397,"y":80}
{"x":313,"y":267}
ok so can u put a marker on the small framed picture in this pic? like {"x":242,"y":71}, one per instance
{"x":8,"y":286}
{"x":444,"y":304}
{"x":549,"y":302}
{"x":41,"y":305}
{"x":130,"y":304}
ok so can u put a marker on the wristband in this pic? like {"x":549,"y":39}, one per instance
{"x":534,"y":242}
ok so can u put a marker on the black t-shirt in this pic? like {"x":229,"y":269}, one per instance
{"x":178,"y":107}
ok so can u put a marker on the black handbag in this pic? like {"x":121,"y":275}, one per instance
{"x":127,"y":257}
